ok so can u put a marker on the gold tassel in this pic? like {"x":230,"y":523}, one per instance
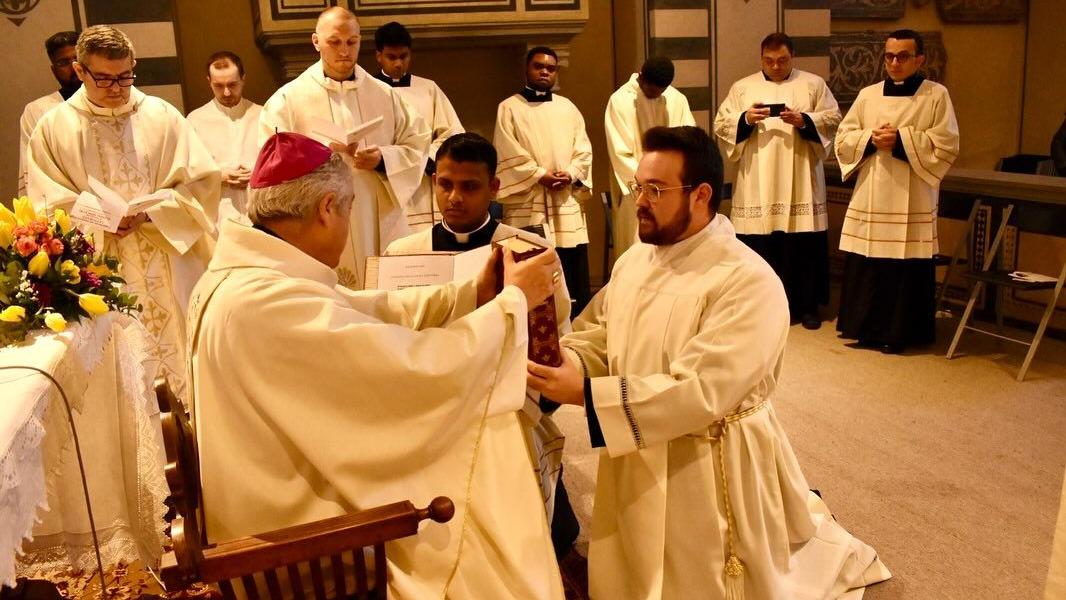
{"x":734,"y":578}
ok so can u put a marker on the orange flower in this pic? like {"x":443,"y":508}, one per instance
{"x":54,"y":246}
{"x":26,"y":246}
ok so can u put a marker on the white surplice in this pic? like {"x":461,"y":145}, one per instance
{"x":30,"y":115}
{"x":140,"y":148}
{"x":780,"y":182}
{"x":682,"y":338}
{"x":544,"y":440}
{"x":231,"y":135}
{"x":341,"y":401}
{"x":381,"y":197}
{"x":629,"y":114}
{"x":533,"y":138}
{"x":426,"y":97}
{"x":893,"y":209}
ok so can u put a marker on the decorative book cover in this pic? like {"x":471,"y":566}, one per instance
{"x":543,"y":327}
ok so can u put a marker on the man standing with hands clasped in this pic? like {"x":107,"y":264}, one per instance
{"x":900,"y":137}
{"x":228,"y":126}
{"x":546,"y":167}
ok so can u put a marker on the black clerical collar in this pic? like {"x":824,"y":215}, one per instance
{"x":404,"y":81}
{"x":445,"y":240}
{"x":536,"y":96}
{"x":67,"y":92}
{"x":787,"y":77}
{"x":348,"y":78}
{"x":907,"y":87}
{"x":265,"y":230}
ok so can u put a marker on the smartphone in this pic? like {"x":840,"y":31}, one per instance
{"x":775,"y":109}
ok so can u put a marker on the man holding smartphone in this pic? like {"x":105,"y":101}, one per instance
{"x":778,"y":124}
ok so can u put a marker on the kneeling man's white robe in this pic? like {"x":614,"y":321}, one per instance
{"x":683,"y":349}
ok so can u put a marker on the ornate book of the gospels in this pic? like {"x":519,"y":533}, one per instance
{"x":543,"y":326}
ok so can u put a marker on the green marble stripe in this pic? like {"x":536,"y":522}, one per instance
{"x":128,"y":11}
{"x":682,"y":48}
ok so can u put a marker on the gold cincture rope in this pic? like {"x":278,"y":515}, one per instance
{"x":734,"y":567}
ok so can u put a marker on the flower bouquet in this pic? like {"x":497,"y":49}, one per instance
{"x":50,"y":274}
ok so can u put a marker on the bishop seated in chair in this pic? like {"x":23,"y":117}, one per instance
{"x":311,"y":400}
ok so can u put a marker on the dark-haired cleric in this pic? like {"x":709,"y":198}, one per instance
{"x":898,"y":140}
{"x":676,"y":361}
{"x":393,"y":51}
{"x":778,"y":125}
{"x":647,"y":100}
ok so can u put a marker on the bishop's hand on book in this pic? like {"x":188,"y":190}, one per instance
{"x":536,"y":271}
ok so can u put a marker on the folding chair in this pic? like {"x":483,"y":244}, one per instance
{"x":1001,"y":277}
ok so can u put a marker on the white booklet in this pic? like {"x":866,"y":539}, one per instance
{"x":338,"y":134}
{"x":400,"y":271}
{"x":104,"y":208}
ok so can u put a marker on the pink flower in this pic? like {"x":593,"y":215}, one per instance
{"x":38,"y":226}
{"x":20,"y":231}
{"x":91,"y":278}
{"x":53,"y":247}
{"x":26,"y":246}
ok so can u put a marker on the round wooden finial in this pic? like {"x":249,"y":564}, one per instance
{"x":441,"y":509}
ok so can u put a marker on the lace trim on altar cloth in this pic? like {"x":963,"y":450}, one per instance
{"x":21,"y":489}
{"x":23,"y":475}
{"x":75,"y":551}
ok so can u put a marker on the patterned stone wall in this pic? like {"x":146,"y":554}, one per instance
{"x":857,"y":60}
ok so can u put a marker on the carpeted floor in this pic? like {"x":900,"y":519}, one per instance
{"x":951,"y":470}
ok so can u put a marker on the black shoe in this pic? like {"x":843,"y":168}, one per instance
{"x":811,"y":321}
{"x":892,"y":349}
{"x":863,"y":345}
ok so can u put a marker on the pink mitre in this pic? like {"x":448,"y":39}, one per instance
{"x":285,"y":157}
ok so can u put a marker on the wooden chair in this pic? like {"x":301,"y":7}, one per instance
{"x":277,"y":564}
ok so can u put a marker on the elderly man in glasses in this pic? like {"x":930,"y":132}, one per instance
{"x":900,"y":137}
{"x":60,"y":49}
{"x":135,"y":145}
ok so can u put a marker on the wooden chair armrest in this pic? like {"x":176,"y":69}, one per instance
{"x":300,"y":543}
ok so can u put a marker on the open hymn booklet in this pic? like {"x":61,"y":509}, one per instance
{"x":104,"y":208}
{"x":399,"y":271}
{"x":338,"y":134}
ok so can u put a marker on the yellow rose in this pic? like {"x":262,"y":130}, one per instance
{"x":39,"y":264}
{"x":71,"y":271}
{"x":99,"y":270}
{"x":93,"y":304}
{"x":24,"y":214}
{"x":63,"y":220}
{"x":6,"y":216}
{"x":13,"y":314}
{"x":5,"y":233}
{"x":55,"y":322}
